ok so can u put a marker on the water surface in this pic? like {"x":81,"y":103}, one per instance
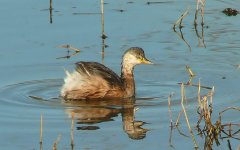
{"x":31,"y":76}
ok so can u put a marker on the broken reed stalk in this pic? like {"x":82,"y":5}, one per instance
{"x":169,"y":109}
{"x":189,"y":82}
{"x":102,"y":6}
{"x":202,"y":10}
{"x":182,"y":37}
{"x":203,"y":41}
{"x":177,"y":121}
{"x":41,"y":129}
{"x":103,"y":32}
{"x":50,"y":12}
{"x":186,"y":117}
{"x":211,"y":100}
{"x":102,"y":14}
{"x":56,"y":142}
{"x":179,"y":21}
{"x":189,"y":71}
{"x":195,"y":19}
{"x":69,"y":47}
{"x":202,"y":3}
{"x":72,"y":131}
{"x":206,"y":112}
{"x":170,"y":137}
{"x":103,"y":49}
{"x":199,"y":94}
{"x":50,"y":5}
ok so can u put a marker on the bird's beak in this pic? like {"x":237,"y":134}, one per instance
{"x":146,"y":61}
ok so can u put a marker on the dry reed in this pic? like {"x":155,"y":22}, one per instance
{"x":179,"y":24}
{"x":69,"y":47}
{"x":190,"y":72}
{"x":72,"y":131}
{"x":180,"y":19}
{"x":211,"y":131}
{"x":50,"y":12}
{"x":56,"y":142}
{"x":202,"y":6}
{"x":169,"y":109}
{"x":186,"y":117}
{"x":41,"y":130}
{"x":102,"y":15}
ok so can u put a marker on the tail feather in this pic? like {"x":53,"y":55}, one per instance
{"x":72,"y":81}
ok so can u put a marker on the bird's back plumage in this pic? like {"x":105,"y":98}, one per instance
{"x":91,"y":80}
{"x":97,"y":69}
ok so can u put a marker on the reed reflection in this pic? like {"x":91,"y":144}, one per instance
{"x":200,"y":6}
{"x":201,"y":42}
{"x":180,"y":35}
{"x":103,"y":49}
{"x":89,"y":113}
{"x":179,"y":24}
{"x":200,"y":36}
{"x":103,"y":36}
{"x":50,"y":12}
{"x":69,"y":48}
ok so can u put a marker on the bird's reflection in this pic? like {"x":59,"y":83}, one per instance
{"x":89,"y":113}
{"x":130,"y":125}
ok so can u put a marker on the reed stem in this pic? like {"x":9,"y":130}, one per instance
{"x":41,"y":129}
{"x":102,"y":14}
{"x":186,"y":117}
{"x":179,"y":21}
{"x":72,"y":132}
{"x":56,"y":142}
{"x":169,"y":109}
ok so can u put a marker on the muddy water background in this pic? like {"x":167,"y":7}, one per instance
{"x":29,"y":68}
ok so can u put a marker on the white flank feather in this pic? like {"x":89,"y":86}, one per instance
{"x":73,"y":81}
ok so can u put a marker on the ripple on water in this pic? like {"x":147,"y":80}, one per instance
{"x":159,"y":93}
{"x":20,"y":94}
{"x":42,"y":93}
{"x":35,"y":96}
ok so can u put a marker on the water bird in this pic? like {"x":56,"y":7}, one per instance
{"x":92,"y":80}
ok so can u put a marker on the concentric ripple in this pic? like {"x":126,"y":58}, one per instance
{"x":37,"y":93}
{"x":45,"y":93}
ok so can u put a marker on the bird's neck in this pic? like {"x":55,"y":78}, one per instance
{"x":128,"y":79}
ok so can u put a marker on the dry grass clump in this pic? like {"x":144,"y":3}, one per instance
{"x":213,"y":131}
{"x":210,"y":131}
